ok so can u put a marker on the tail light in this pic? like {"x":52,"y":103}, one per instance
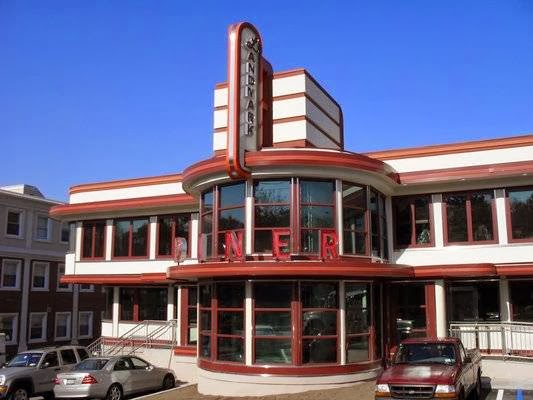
{"x":89,"y":380}
{"x":57,"y":381}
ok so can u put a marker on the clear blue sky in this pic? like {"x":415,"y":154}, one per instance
{"x":101,"y":90}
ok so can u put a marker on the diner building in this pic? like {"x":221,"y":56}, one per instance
{"x":287,"y":262}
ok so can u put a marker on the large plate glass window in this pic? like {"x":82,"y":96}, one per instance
{"x":131,"y":237}
{"x":317,"y":210}
{"x":354,"y":223}
{"x":171,"y":227}
{"x":520,"y":210}
{"x":93,"y":239}
{"x":412,"y":221}
{"x":358,"y":321}
{"x":230,"y":322}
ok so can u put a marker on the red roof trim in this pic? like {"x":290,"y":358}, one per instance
{"x":123,"y":204}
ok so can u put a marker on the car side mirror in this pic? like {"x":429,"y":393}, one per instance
{"x":150,"y":368}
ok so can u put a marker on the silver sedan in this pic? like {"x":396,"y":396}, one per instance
{"x":112,"y":378}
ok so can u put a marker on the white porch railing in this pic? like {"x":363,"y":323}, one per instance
{"x":145,"y":334}
{"x":505,"y":338}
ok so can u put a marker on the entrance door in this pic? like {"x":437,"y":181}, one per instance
{"x":410,"y":311}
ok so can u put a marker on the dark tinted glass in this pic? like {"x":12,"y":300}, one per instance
{"x":473,"y":301}
{"x":140,"y":237}
{"x":320,"y":192}
{"x":68,"y":356}
{"x":205,"y":346}
{"x":230,"y":322}
{"x":192,"y":296}
{"x":354,"y":243}
{"x":357,"y":349}
{"x":231,"y":195}
{"x":273,"y":295}
{"x":521,"y":205}
{"x":273,"y":351}
{"x":353,"y":196}
{"x":153,"y":304}
{"x":99,"y":238}
{"x":230,"y":295}
{"x":522,"y":300}
{"x":51,"y":359}
{"x":272,"y":216}
{"x":82,"y":354}
{"x":122,"y":233}
{"x":273,"y":323}
{"x":318,"y":295}
{"x":207,"y":223}
{"x":205,"y":295}
{"x":481,"y":204}
{"x":94,"y":364}
{"x":353,"y":219}
{"x":309,"y":241}
{"x":263,"y":241}
{"x":272,"y":192}
{"x":319,"y":351}
{"x":165,"y":236}
{"x":316,"y":217}
{"x":456,"y":217}
{"x":319,"y":323}
{"x":422,"y":222}
{"x":207,"y":201}
{"x":205,"y":321}
{"x":402,"y":208}
{"x":230,"y":349}
{"x":87,"y":240}
{"x":127,"y":299}
{"x":231,"y":219}
{"x":357,"y":300}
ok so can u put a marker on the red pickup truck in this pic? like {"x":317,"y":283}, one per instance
{"x":431,"y":369}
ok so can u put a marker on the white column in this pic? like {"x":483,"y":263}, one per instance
{"x":170,"y":302}
{"x":75,"y":309}
{"x":23,"y":318}
{"x":437,"y":220}
{"x":79,"y":232}
{"x":338,"y":200}
{"x":108,"y":239}
{"x":153,"y":237}
{"x":248,"y":207}
{"x":440,"y":308}
{"x":505,"y":300}
{"x":501,"y":216}
{"x":342,"y":316}
{"x":248,"y":327}
{"x":194,"y":236}
{"x":178,"y":317}
{"x":116,"y":309}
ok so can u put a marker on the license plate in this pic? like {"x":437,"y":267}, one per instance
{"x":70,"y":381}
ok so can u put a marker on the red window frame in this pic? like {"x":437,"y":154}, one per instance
{"x":469,"y":225}
{"x":257,"y":204}
{"x":370,"y":334}
{"x":221,"y":233}
{"x":186,"y":308}
{"x":366,"y":216}
{"x":333,"y":206}
{"x":508,"y":218}
{"x":381,"y":234}
{"x":204,"y":214}
{"x":174,"y":219}
{"x":85,"y":227}
{"x":214,"y":323}
{"x":292,"y":309}
{"x":201,"y":331}
{"x":136,"y":297}
{"x":411,"y":200}
{"x":130,"y":239}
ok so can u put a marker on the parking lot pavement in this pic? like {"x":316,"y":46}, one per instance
{"x":509,"y":394}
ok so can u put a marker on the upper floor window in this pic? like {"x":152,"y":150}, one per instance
{"x":8,"y":326}
{"x":354,"y":219}
{"x":520,"y":211}
{"x":65,"y":232}
{"x":131,"y":237}
{"x":469,"y":217}
{"x":10,"y":278}
{"x":272,"y":209}
{"x":14,"y":223}
{"x":43,"y":228}
{"x":62,"y":287}
{"x":378,"y":225}
{"x":227,"y":204}
{"x":317,"y":210}
{"x":412,"y":221}
{"x":171,"y":227}
{"x":93,"y":241}
{"x":39,"y":275}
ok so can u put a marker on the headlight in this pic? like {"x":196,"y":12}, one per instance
{"x":382,"y":390}
{"x":445,"y":391}
{"x":2,"y":379}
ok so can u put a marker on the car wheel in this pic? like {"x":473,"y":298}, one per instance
{"x":169,"y":382}
{"x":114,"y":392}
{"x":49,"y":396}
{"x":19,"y":394}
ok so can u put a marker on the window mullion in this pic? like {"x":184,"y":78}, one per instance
{"x":93,"y":241}
{"x":469,"y":229}
{"x":413,"y":222}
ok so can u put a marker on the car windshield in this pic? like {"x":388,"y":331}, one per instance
{"x":92,"y":364}
{"x":25,"y":360}
{"x":429,"y":353}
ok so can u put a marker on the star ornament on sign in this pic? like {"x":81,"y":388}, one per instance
{"x":254,"y":44}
